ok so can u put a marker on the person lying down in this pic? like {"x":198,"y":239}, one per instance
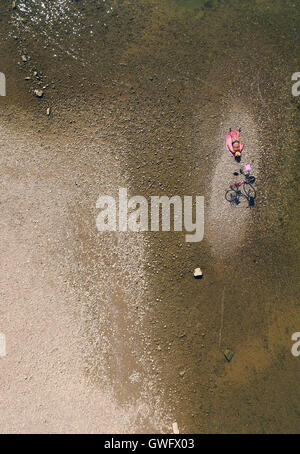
{"x":234,"y":144}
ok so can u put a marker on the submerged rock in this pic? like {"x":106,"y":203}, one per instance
{"x":228,"y":354}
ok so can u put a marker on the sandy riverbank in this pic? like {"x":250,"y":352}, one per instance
{"x":112,"y":333}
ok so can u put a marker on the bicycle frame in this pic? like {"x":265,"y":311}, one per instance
{"x":237,"y":185}
{"x":249,"y":179}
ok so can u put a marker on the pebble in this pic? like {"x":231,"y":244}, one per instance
{"x":175,"y":428}
{"x":39,"y":93}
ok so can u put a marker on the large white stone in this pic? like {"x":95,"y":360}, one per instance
{"x":198,"y":273}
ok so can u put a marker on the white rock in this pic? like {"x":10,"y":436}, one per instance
{"x":175,"y":428}
{"x":39,"y":93}
{"x":198,"y":273}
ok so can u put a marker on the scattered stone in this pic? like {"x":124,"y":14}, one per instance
{"x":49,"y":111}
{"x":39,"y":93}
{"x":175,"y":428}
{"x":37,"y":75}
{"x":198,"y":273}
{"x":228,"y":354}
{"x":25,"y":58}
{"x":182,"y":373}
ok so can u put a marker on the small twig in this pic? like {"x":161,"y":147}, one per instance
{"x":222,"y":317}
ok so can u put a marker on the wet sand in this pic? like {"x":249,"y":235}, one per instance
{"x":144,"y":102}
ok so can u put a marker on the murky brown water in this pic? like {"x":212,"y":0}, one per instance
{"x":146,"y":85}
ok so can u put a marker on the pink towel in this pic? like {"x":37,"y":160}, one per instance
{"x":229,"y":140}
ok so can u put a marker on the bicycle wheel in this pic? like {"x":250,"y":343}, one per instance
{"x":231,"y":196}
{"x":249,"y":190}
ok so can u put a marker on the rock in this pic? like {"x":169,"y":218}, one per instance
{"x":198,"y":273}
{"x":13,"y":5}
{"x":27,"y":78}
{"x":175,"y":428}
{"x":25,"y":58}
{"x":49,"y":111}
{"x":182,"y":373}
{"x":228,"y":354}
{"x":39,"y":93}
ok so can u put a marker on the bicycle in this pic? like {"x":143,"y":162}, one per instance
{"x":234,"y":194}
